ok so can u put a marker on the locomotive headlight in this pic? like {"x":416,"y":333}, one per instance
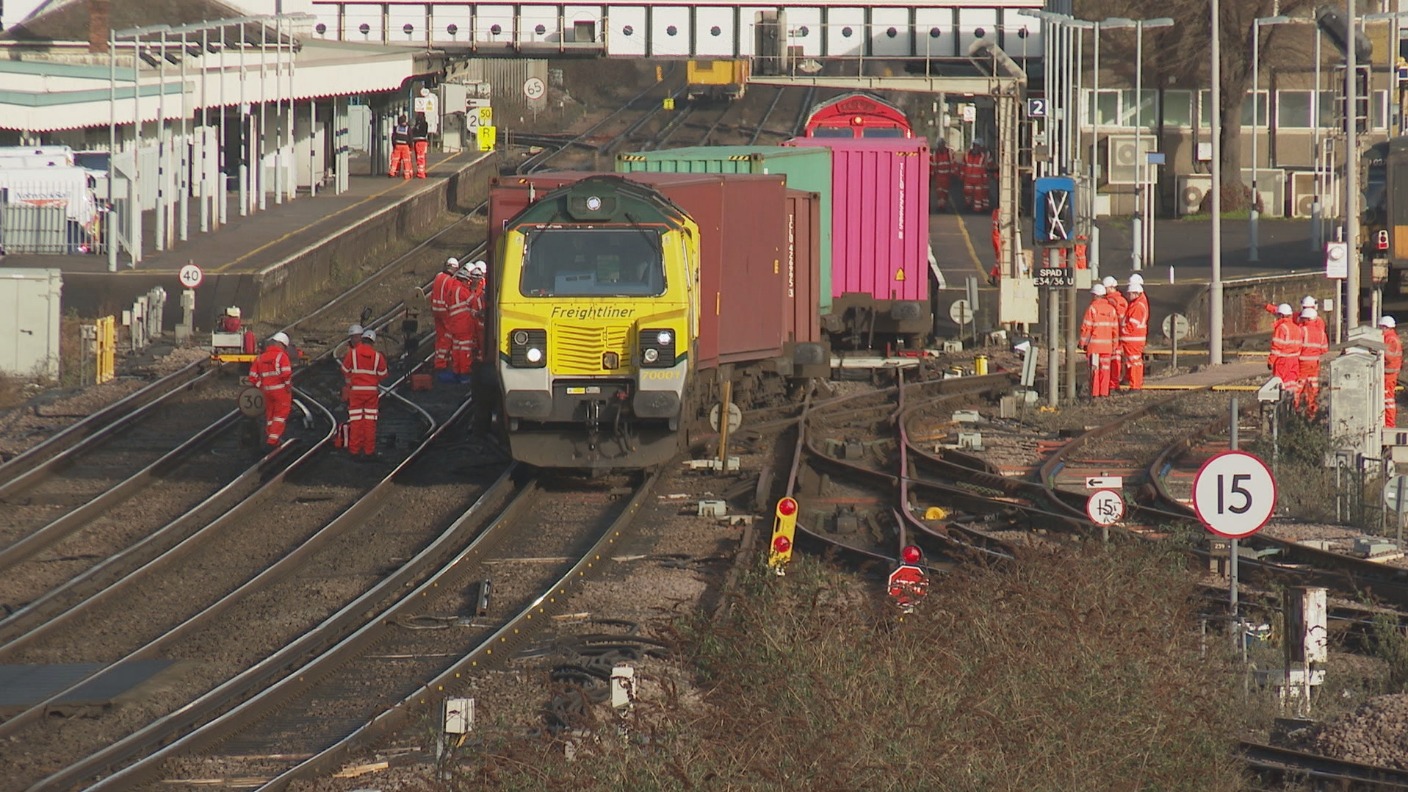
{"x":652,"y":355}
{"x":520,"y":337}
{"x":664,"y":338}
{"x":534,"y":355}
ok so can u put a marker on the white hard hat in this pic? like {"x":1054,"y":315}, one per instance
{"x":368,"y":335}
{"x":1284,"y":309}
{"x":354,"y":330}
{"x":1110,"y":282}
{"x":1136,"y":288}
{"x":1098,"y":290}
{"x":1308,"y":302}
{"x":1136,"y":278}
{"x":1388,"y":321}
{"x":462,"y":273}
{"x":478,"y":268}
{"x":977,"y":141}
{"x":281,"y":337}
{"x":1309,"y":313}
{"x":233,"y":311}
{"x":452,"y":264}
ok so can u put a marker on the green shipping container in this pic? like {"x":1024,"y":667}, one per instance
{"x":806,"y":169}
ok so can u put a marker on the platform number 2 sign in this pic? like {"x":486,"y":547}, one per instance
{"x":1234,"y":494}
{"x":1036,"y":108}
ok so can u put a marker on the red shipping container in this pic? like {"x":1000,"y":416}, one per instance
{"x":879,"y":216}
{"x":743,"y":222}
{"x":803,"y":293}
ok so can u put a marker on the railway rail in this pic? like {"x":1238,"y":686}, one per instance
{"x":257,"y":580}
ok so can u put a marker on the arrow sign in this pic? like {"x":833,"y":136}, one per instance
{"x":1104,"y":482}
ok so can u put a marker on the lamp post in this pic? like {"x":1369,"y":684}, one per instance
{"x":1142,"y":216}
{"x":1215,"y":288}
{"x":1253,"y":215}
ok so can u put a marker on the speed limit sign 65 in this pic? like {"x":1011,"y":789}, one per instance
{"x":1234,"y":494}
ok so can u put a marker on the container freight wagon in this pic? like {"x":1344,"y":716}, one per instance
{"x":805,"y":169}
{"x":880,"y":271}
{"x":717,"y":79}
{"x":857,"y":115}
{"x":598,"y":376}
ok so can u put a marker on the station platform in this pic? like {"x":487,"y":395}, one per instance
{"x":265,"y":261}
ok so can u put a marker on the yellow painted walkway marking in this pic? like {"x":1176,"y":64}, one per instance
{"x":968,"y":241}
{"x":376,"y":195}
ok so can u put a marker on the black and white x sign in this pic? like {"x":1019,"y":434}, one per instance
{"x":1056,"y":208}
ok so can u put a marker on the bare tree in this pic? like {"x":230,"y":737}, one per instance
{"x":1181,"y":55}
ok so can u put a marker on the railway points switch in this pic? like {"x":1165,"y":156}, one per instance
{"x":967,"y":416}
{"x":715,"y":509}
{"x":714,"y":464}
{"x":952,"y":346}
{"x":1375,"y":549}
{"x":973,"y":441}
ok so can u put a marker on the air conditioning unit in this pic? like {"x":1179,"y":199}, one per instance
{"x":1303,"y":195}
{"x":1191,"y":191}
{"x":1271,"y":184}
{"x":1124,"y":158}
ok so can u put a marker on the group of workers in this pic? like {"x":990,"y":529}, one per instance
{"x":974,"y":172}
{"x":1298,"y":343}
{"x":457,"y":305}
{"x":1113,"y":333}
{"x":407,"y":136}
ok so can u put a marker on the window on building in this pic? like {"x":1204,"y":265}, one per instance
{"x":1108,"y":107}
{"x":1147,"y":112}
{"x":1178,"y":109}
{"x":1378,"y":110}
{"x":1293,"y":109}
{"x":1255,"y":102}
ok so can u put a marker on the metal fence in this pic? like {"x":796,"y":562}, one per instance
{"x":47,"y":229}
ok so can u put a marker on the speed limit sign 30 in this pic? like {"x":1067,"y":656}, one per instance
{"x":1234,"y":494}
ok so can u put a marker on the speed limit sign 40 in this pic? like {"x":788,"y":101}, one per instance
{"x":1234,"y":494}
{"x":190,"y":276}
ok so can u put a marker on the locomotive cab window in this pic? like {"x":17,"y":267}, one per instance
{"x":594,"y":262}
{"x":883,"y":132}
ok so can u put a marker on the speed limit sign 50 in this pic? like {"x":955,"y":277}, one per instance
{"x":1234,"y":494}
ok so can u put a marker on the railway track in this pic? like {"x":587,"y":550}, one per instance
{"x":338,"y":525}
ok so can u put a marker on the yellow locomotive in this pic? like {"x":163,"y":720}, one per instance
{"x":597,"y":300}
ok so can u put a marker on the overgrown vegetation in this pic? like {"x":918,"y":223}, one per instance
{"x":1066,"y":671}
{"x":1309,"y":489}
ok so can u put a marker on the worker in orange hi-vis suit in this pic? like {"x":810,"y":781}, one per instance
{"x":420,"y":142}
{"x":1112,"y":293}
{"x":401,"y":147}
{"x":1134,"y":333}
{"x":1284,"y":360}
{"x":364,"y":368}
{"x":975,"y":177}
{"x":941,"y":168}
{"x":996,"y":274}
{"x":441,"y":289}
{"x":272,"y":374}
{"x":1393,"y":362}
{"x":1099,"y":332}
{"x":1313,"y":344}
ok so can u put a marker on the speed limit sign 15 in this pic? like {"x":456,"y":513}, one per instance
{"x":1234,"y":494}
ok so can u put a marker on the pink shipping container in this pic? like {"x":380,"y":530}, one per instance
{"x":879,"y":232}
{"x":758,"y":262}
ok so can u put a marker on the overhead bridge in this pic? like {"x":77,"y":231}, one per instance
{"x":821,"y":29}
